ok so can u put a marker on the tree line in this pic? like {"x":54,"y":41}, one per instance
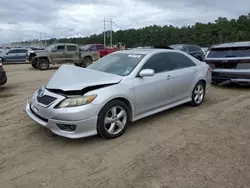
{"x":202,"y":34}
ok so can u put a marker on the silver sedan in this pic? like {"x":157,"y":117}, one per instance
{"x":119,"y":88}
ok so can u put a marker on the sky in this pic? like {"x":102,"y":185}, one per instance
{"x":34,"y":19}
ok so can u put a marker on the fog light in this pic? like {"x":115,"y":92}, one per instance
{"x":64,"y":127}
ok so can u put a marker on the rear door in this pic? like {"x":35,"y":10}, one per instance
{"x":72,"y":53}
{"x":183,"y":76}
{"x":58,"y":54}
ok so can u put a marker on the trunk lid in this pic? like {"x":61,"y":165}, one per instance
{"x":72,"y":78}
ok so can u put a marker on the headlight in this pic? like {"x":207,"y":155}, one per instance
{"x":76,"y":101}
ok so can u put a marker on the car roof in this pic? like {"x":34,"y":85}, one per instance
{"x":144,"y":51}
{"x":232,"y":44}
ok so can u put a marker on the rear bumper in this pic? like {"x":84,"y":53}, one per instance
{"x":231,"y":76}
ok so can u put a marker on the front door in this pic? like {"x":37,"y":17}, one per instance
{"x":155,"y":91}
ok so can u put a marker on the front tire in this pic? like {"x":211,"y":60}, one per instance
{"x":198,"y":94}
{"x":86,"y":62}
{"x":113,"y":119}
{"x":43,"y":64}
{"x":34,"y":65}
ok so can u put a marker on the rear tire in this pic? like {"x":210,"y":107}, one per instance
{"x":198,"y":94}
{"x":43,"y":64}
{"x":113,"y":119}
{"x":86,"y":62}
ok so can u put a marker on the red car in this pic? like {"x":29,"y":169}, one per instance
{"x":100,"y":48}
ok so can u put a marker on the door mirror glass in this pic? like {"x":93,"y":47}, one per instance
{"x":147,"y":72}
{"x":53,"y":49}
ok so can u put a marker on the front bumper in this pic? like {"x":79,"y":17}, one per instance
{"x":227,"y":76}
{"x":84,"y":128}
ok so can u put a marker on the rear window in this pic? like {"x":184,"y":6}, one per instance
{"x":229,"y":52}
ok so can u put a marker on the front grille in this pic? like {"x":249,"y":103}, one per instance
{"x":45,"y":99}
{"x":44,"y":119}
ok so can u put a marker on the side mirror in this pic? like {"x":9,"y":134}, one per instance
{"x":7,"y":53}
{"x":53,"y":50}
{"x":147,"y":72}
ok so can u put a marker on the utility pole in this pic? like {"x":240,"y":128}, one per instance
{"x":104,"y":33}
{"x":111,"y":43}
{"x":45,"y":41}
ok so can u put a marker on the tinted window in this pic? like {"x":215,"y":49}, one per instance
{"x":157,"y":63}
{"x":61,"y":48}
{"x":21,"y":51}
{"x":117,"y":63}
{"x":193,"y":48}
{"x":180,"y":60}
{"x":100,"y":47}
{"x":12,"y":51}
{"x":229,"y":52}
{"x":71,"y":48}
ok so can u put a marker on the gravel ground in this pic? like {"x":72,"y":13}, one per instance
{"x":188,"y":147}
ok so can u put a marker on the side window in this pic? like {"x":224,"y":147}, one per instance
{"x":157,"y":63}
{"x":22,"y":51}
{"x":60,"y":48}
{"x":100,"y":47}
{"x":71,"y":48}
{"x":12,"y":52}
{"x":93,"y":47}
{"x":180,"y":60}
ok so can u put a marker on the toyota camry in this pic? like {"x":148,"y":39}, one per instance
{"x":118,"y":89}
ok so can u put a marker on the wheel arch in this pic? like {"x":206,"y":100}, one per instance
{"x":125,"y":101}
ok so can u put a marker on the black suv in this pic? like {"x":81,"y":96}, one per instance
{"x":191,"y":49}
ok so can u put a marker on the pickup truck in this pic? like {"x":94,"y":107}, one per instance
{"x":99,"y":48}
{"x":61,"y":53}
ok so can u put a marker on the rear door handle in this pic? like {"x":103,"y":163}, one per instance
{"x":168,"y":77}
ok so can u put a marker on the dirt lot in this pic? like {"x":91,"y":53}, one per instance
{"x":208,"y":146}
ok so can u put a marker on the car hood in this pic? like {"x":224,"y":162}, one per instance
{"x":72,"y":78}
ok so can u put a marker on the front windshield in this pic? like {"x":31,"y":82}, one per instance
{"x":117,"y":63}
{"x":50,"y":47}
{"x":176,"y":47}
{"x":86,"y":47}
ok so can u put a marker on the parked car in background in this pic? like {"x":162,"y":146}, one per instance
{"x":191,"y":49}
{"x":99,"y":48}
{"x":60,"y":53}
{"x":14,"y":55}
{"x":3,"y":76}
{"x":230,"y":63}
{"x":121,"y":87}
